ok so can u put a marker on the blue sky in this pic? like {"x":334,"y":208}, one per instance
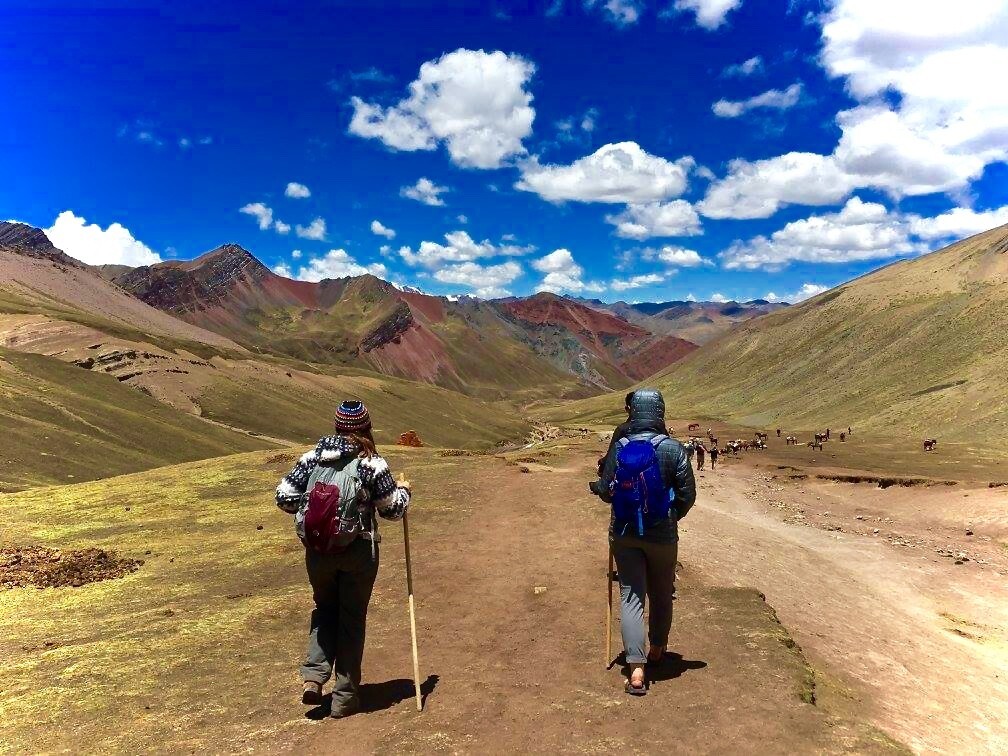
{"x":622,"y":149}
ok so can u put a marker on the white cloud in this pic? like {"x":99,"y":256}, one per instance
{"x":315,"y":230}
{"x":380,"y":230}
{"x":336,"y":263}
{"x":425,"y":191}
{"x":295,"y":190}
{"x":678,"y":257}
{"x":589,"y":120}
{"x":472,"y":101}
{"x":719,"y":298}
{"x":958,"y":223}
{"x":462,"y":219}
{"x":747,"y":67}
{"x":90,"y":243}
{"x":459,"y":247}
{"x":807,"y":291}
{"x":488,"y":281}
{"x":758,"y":189}
{"x":710,"y":14}
{"x":185,"y":143}
{"x":617,"y":173}
{"x":859,"y":231}
{"x":206,"y":140}
{"x":636,"y":282}
{"x":281,"y":227}
{"x":675,"y":218}
{"x":296,"y":254}
{"x":691,"y":297}
{"x":619,"y":12}
{"x":260,"y":212}
{"x":777,"y":99}
{"x":928,"y":118}
{"x":562,"y":273}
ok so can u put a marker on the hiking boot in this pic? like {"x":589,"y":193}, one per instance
{"x":312,"y":695}
{"x":344,"y":711}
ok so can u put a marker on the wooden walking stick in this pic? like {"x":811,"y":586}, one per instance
{"x":412,"y":614}
{"x":608,"y":616}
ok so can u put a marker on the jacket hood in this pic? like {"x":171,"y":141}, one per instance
{"x":647,"y":405}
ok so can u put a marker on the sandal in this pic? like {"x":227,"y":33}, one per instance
{"x":635,"y":690}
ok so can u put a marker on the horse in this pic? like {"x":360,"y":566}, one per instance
{"x":843,"y":437}
{"x":930,"y":444}
{"x":816,"y":444}
{"x":693,"y":427}
{"x":791,"y":440}
{"x":820,"y":437}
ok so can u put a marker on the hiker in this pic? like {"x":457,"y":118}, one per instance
{"x":333,"y":493}
{"x":700,"y":456}
{"x":713,"y":456}
{"x":646,"y":470}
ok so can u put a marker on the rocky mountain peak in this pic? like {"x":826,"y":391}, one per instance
{"x":33,"y":242}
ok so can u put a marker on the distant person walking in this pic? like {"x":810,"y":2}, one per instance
{"x":713,"y":456}
{"x":649,"y":482}
{"x":700,"y":450}
{"x":333,"y":493}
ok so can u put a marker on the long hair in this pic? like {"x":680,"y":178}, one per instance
{"x":365,"y":440}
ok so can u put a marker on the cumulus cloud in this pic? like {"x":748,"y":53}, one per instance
{"x":295,"y":190}
{"x":336,"y":263}
{"x":281,"y":227}
{"x":859,"y":231}
{"x":636,"y":282}
{"x":747,"y":67}
{"x":675,"y":218}
{"x":928,"y":118}
{"x":296,"y":254}
{"x":958,"y":223}
{"x":807,"y":291}
{"x":619,"y":12}
{"x":473,"y":102}
{"x":378,"y":229}
{"x":710,"y":14}
{"x":757,"y":189}
{"x":719,"y":298}
{"x":316,"y":230}
{"x":90,"y":243}
{"x":259,"y":211}
{"x":562,"y":274}
{"x":616,"y":173}
{"x":775,"y":99}
{"x":677,"y":257}
{"x":458,"y":247}
{"x":425,"y":191}
{"x":488,"y":281}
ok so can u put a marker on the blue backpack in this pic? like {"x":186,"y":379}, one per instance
{"x":640,"y":497}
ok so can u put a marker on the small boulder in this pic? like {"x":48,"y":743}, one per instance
{"x":410,"y":438}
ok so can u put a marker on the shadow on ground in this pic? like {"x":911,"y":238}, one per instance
{"x":380,"y":696}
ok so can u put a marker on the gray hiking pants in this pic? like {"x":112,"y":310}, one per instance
{"x":645,"y":569}
{"x":342,"y":585}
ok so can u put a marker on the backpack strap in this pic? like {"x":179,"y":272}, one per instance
{"x":622,"y":443}
{"x":657,"y":440}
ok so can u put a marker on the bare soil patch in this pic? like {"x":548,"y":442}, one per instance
{"x":41,"y":567}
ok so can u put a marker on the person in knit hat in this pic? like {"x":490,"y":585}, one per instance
{"x":342,"y":579}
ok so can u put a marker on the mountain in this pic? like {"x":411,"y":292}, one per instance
{"x":535,"y":346}
{"x":38,"y":278}
{"x":601,"y":348}
{"x":698,"y":322}
{"x":919,"y":347}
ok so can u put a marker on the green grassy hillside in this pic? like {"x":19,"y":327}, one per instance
{"x":62,"y":424}
{"x":916,"y":348}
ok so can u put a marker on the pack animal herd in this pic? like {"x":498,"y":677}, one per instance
{"x":759,"y":441}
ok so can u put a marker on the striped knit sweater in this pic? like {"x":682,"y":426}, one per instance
{"x":386,"y":497}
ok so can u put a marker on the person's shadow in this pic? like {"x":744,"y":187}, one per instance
{"x":380,"y":696}
{"x":671,"y":666}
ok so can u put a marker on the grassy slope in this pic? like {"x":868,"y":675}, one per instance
{"x":916,"y":348}
{"x":302,"y":411}
{"x":60,"y":422}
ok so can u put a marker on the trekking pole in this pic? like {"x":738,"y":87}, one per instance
{"x":608,"y":616}
{"x":412,"y":614}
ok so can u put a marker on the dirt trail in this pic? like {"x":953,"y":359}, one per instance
{"x":923,"y":640}
{"x":509,"y":670}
